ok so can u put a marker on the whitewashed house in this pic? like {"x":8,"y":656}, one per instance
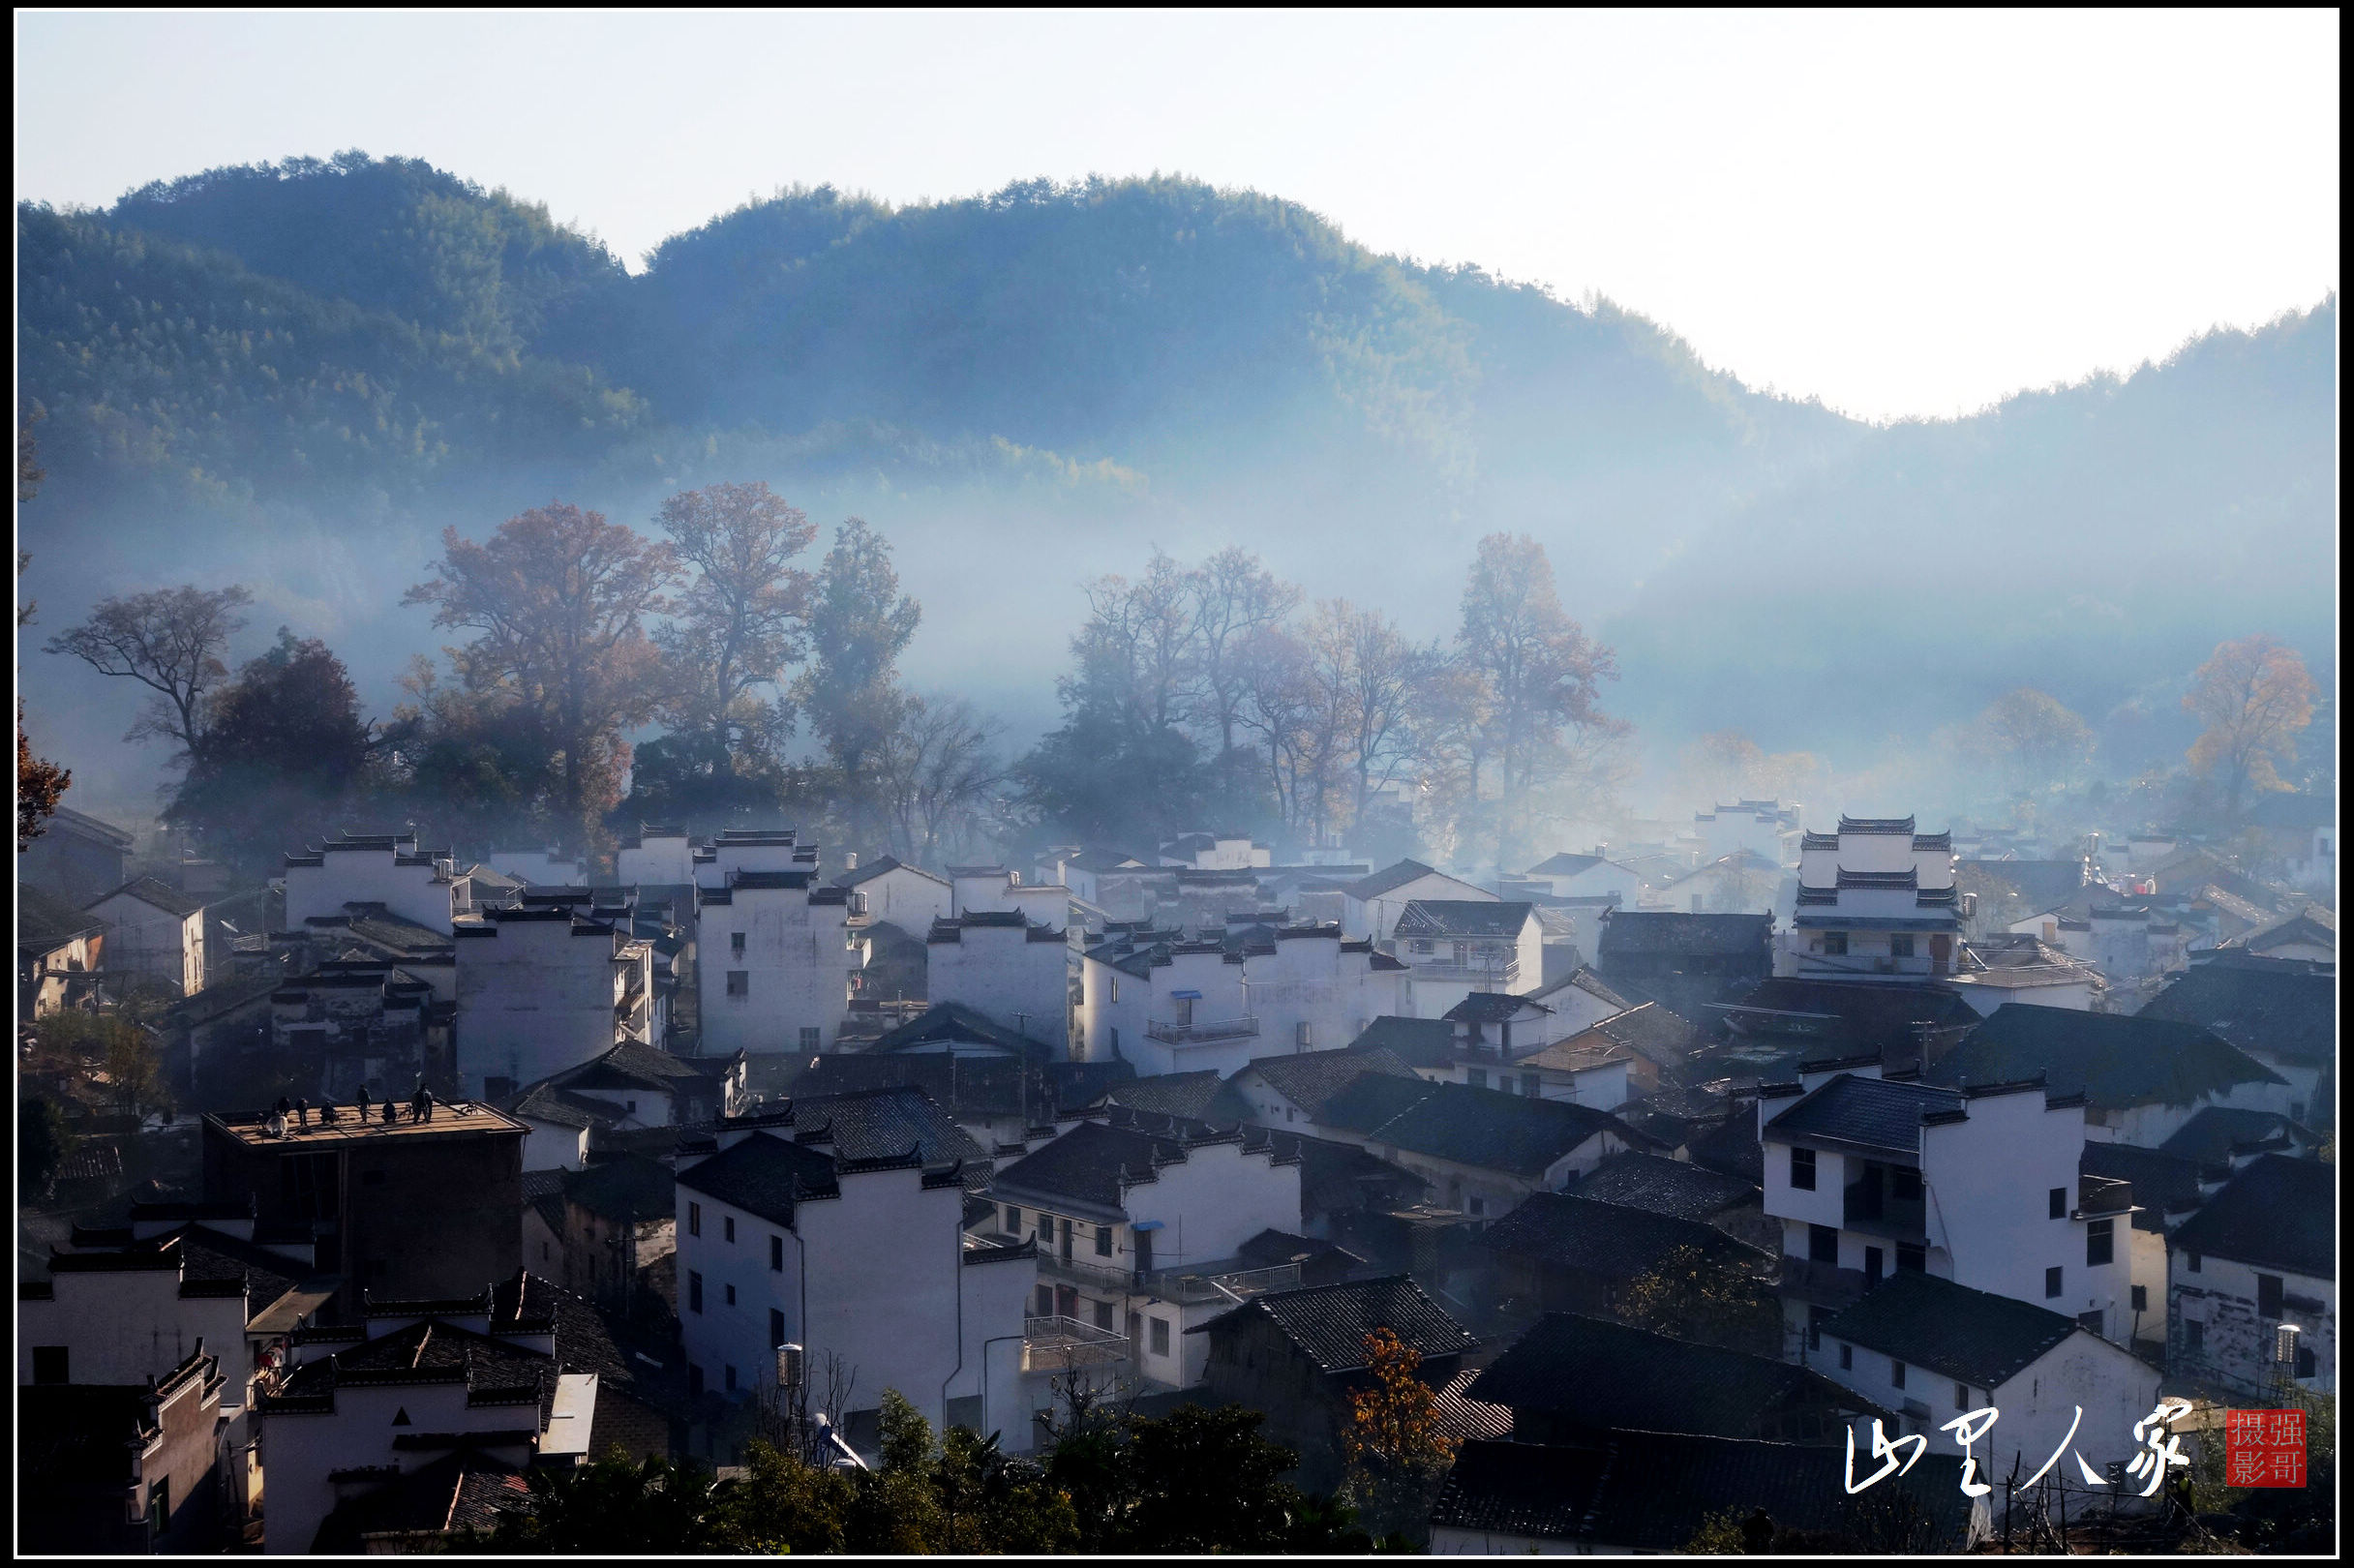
{"x":908,"y":896}
{"x":2283,"y":1012}
{"x":411,"y":1393}
{"x":422,"y":887}
{"x":1371,"y":905}
{"x":990,"y":889}
{"x":1765,"y":829}
{"x":1742,"y":883}
{"x":1872,"y":1176}
{"x":1452,"y":948}
{"x":777,"y":957}
{"x":2253,"y":1284}
{"x":1138,"y":1221}
{"x":1216,"y":852}
{"x":1876,"y":901}
{"x":543,"y":987}
{"x":1933,"y":1350}
{"x":1171,"y":1005}
{"x":1005,"y":969}
{"x":862,"y":1262}
{"x":752,"y":848}
{"x":155,"y":935}
{"x":2300,"y":831}
{"x":1586,"y":876}
{"x":2142,"y":1077}
{"x":1579,"y":1001}
{"x":658,"y":858}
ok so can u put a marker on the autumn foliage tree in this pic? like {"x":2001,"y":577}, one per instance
{"x":284,"y":746}
{"x":557,"y":599}
{"x":741,"y":623}
{"x":2253,"y":695}
{"x":2035,"y":740}
{"x":1396,"y":1448}
{"x":1690,"y":1294}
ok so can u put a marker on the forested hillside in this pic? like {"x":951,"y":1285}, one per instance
{"x":292,"y":375}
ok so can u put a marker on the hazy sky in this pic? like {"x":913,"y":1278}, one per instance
{"x":1904,"y":215}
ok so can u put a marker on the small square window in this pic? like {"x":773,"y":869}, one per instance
{"x":1823,"y":1244}
{"x":731,"y":1379}
{"x":1104,"y":1314}
{"x":776,"y":1254}
{"x":694,"y":1218}
{"x":1961,"y":1396}
{"x":1896,"y":1373}
{"x":2195,"y":1337}
{"x":2100,"y":1243}
{"x":2059,"y":1202}
{"x":1802,"y":1169}
{"x":728,"y":1223}
{"x":811,"y":1038}
{"x":2141,"y":1298}
{"x":1847,"y":1358}
{"x":1160,"y":1336}
{"x":777,"y":1328}
{"x":2051,"y":1285}
{"x":1900,"y":945}
{"x":1912,"y":1258}
{"x":735,"y":943}
{"x":1479,"y":1205}
{"x":1834,"y":944}
{"x":2269,"y":1290}
{"x":1102,"y":1241}
{"x":740,"y":982}
{"x":1476,"y":1077}
{"x":1115,"y":987}
{"x":2191,"y":1261}
{"x":731,"y":1295}
{"x":1013,"y":1221}
{"x":1531,"y":1087}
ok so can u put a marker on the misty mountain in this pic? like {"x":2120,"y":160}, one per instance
{"x":295,"y":375}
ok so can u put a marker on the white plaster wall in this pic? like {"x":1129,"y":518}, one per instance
{"x":1987,"y":1184}
{"x":2037,"y":1406}
{"x":1824,"y":1206}
{"x":883,"y":1262}
{"x":1310,"y":981}
{"x":532,"y":999}
{"x":127,"y":1327}
{"x":661,"y":862}
{"x":414,"y":893}
{"x":908,"y":898}
{"x":299,"y":1451}
{"x":737,"y":857}
{"x":799,"y":961}
{"x":153,"y":944}
{"x":1212,"y":1203}
{"x":2238,"y":1345}
{"x":1102,"y":1015}
{"x":1377,"y":918}
{"x":1004,"y":976}
{"x":540,"y":868}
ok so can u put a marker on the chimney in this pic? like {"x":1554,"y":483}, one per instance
{"x":850,"y":861}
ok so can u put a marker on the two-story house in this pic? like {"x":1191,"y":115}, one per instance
{"x":2253,"y":1293}
{"x":421,"y":886}
{"x":544,"y":986}
{"x":1876,"y":899}
{"x":1168,"y":1005}
{"x":1586,"y":876}
{"x":155,"y":936}
{"x":1452,"y":948}
{"x":1006,"y":968}
{"x":908,"y":896}
{"x":2142,"y":1077}
{"x":1139,"y":1222}
{"x":777,"y":957}
{"x":862,"y":1260}
{"x":1371,"y":905}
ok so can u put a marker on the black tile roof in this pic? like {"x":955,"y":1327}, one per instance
{"x":762,"y":1175}
{"x":630,"y":1190}
{"x":1663,"y":1185}
{"x":883,"y":1124}
{"x":1968,"y":1336}
{"x":952,"y":1021}
{"x":1566,"y":865}
{"x":2277,"y":1007}
{"x":1329,"y":1323}
{"x":549,"y":1102}
{"x":1195,"y":1095}
{"x":1609,"y":1239}
{"x":969,"y":1086}
{"x":2277,"y":1212}
{"x":45,"y":922}
{"x":1651,"y":1032}
{"x":1417,"y":1041}
{"x":2117,"y":1061}
{"x":2162,"y":1184}
{"x":2216,"y":1132}
{"x":1848,"y":1014}
{"x":463,"y":1491}
{"x":1462,"y":917}
{"x":634,"y":1066}
{"x":1604,"y":1375}
{"x":1092,"y":1164}
{"x":155,"y":891}
{"x":1311,"y":1078}
{"x":1490,"y":1006}
{"x":1585,"y":979}
{"x":1657,"y":931}
{"x":1390,"y":878}
{"x":1870,"y":1113}
{"x":1653,"y":1492}
{"x":1483,"y":1127}
{"x":1341,"y":1177}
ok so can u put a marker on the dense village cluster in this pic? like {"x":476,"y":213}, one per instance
{"x":1639,"y":1199}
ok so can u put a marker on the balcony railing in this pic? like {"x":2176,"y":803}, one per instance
{"x":1092,"y":1271}
{"x":1506,"y":972}
{"x":1187,"y":1288}
{"x":1171,"y":1032}
{"x":1059,"y":1343}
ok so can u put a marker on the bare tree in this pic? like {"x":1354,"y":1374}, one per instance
{"x":1233,"y":597}
{"x":169,"y":641}
{"x":937,"y":767}
{"x":1386,"y":675}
